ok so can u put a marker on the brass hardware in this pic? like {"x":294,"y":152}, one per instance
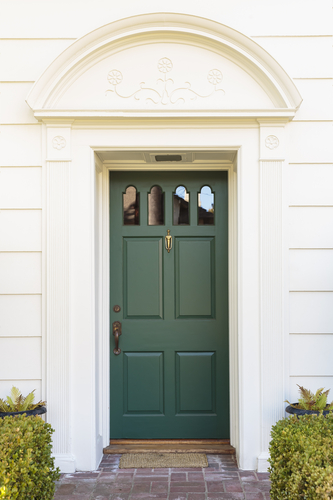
{"x":116,"y":331}
{"x":168,"y":241}
{"x":116,"y":309}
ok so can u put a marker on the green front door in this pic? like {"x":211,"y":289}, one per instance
{"x":171,"y":378}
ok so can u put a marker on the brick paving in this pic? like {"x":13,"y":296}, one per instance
{"x":220,"y":480}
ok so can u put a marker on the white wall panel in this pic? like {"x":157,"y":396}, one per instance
{"x":309,"y":142}
{"x":311,"y":312}
{"x":20,"y":272}
{"x":302,"y":56}
{"x":75,"y":18}
{"x":20,"y":187}
{"x":13,"y":107}
{"x":20,"y":358}
{"x":317,"y":99}
{"x":312,"y":383}
{"x":311,"y":269}
{"x":21,"y":230}
{"x":311,"y":355}
{"x":26,"y":60}
{"x":20,"y":145}
{"x":310,"y":184}
{"x":20,"y":315}
{"x":310,"y":227}
{"x":25,"y":387}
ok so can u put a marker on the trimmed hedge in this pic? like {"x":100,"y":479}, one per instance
{"x":26,"y":467}
{"x":301,"y":458}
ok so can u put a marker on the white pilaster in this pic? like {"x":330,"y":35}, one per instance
{"x":57,"y":294}
{"x":271,"y":280}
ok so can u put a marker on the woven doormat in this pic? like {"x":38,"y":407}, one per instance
{"x":165,"y":460}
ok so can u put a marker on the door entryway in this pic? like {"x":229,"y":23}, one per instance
{"x":169,"y":305}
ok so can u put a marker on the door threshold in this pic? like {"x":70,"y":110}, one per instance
{"x":213,"y":446}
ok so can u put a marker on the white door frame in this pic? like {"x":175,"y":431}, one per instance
{"x":103,"y":281}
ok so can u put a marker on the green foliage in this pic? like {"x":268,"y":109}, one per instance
{"x":26,"y":467}
{"x":301,"y":458}
{"x":311,"y":401}
{"x":17,"y":402}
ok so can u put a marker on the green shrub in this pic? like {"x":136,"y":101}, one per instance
{"x":301,"y":458}
{"x":26,"y":467}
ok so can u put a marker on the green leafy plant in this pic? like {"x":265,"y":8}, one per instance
{"x":311,"y":401}
{"x":27,"y":469}
{"x":17,"y":402}
{"x":301,"y":458}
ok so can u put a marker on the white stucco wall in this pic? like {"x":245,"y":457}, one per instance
{"x":298,"y":34}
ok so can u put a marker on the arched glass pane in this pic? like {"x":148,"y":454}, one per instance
{"x":181,"y":205}
{"x":156,"y":206}
{"x":206,"y":207}
{"x":131,"y":207}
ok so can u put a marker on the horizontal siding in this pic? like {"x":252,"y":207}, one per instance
{"x":20,"y":145}
{"x":310,"y":184}
{"x":316,"y":94}
{"x":68,"y":19}
{"x":311,"y":227}
{"x":308,"y":355}
{"x":20,"y":316}
{"x":25,"y":387}
{"x":13,"y":107}
{"x":21,"y":230}
{"x":303,"y":56}
{"x":26,"y":60}
{"x":21,"y":187}
{"x":311,"y":312}
{"x":309,"y":142}
{"x":20,"y":358}
{"x":20,"y":272}
{"x":311,"y":270}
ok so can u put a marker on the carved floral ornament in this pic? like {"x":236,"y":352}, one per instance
{"x":271,"y":142}
{"x":165,"y":91}
{"x":58,"y":142}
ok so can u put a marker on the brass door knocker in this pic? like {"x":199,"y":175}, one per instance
{"x":168,"y":241}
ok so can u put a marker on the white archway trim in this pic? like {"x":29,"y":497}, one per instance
{"x":240,"y":49}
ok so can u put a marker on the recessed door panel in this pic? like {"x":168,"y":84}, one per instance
{"x":143,"y":281}
{"x":195,"y":382}
{"x":195,"y":277}
{"x":143,"y":383}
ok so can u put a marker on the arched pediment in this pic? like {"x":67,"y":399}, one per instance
{"x":169,"y":64}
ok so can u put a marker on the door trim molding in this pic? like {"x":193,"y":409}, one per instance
{"x":102,"y":285}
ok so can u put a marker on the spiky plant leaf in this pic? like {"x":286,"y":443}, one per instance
{"x":321,"y":402}
{"x":318,"y":393}
{"x":28,"y":401}
{"x":19,"y":402}
{"x":306,"y":394}
{"x":11,"y":403}
{"x":15,"y":393}
{"x":3,"y":405}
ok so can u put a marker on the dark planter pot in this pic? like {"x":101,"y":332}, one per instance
{"x":297,"y":411}
{"x":37,"y":411}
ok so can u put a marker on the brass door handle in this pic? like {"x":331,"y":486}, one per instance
{"x":116,"y":331}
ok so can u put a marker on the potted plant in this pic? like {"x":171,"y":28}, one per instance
{"x":310,"y":403}
{"x":16,"y":404}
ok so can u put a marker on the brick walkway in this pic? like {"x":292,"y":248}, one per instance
{"x":221,"y":480}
